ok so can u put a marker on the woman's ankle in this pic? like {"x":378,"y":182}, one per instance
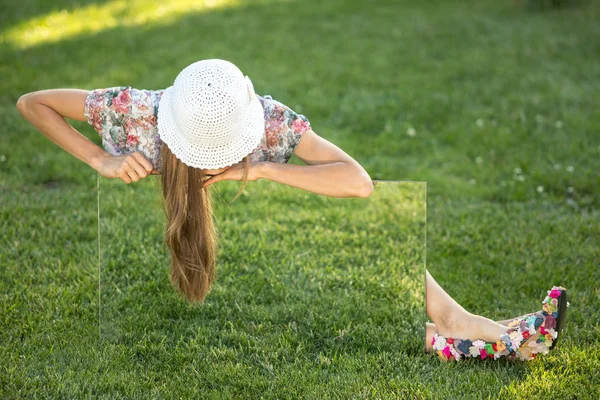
{"x":454,"y":320}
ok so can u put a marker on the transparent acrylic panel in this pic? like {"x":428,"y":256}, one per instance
{"x":48,"y":281}
{"x":301,"y":278}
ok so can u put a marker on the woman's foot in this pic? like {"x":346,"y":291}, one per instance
{"x":470,"y":326}
{"x":505,"y":322}
{"x":473,"y":336}
{"x":431,"y":329}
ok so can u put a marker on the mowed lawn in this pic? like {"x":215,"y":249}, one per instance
{"x":495,"y":106}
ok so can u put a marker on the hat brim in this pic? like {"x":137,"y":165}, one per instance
{"x":210,"y":157}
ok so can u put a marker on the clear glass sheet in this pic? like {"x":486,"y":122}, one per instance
{"x":48,"y":282}
{"x":297,"y":273}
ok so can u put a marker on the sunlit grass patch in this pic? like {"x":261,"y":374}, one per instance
{"x":59,"y":25}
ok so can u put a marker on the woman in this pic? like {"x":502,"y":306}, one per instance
{"x":211,"y":126}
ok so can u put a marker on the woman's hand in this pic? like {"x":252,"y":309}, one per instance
{"x":235,"y":173}
{"x":129,"y":167}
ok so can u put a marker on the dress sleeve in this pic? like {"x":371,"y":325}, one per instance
{"x":105,"y":110}
{"x":284,"y":130}
{"x":125,"y":119}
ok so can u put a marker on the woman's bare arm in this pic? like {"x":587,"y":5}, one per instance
{"x":46,"y":111}
{"x":330,"y":170}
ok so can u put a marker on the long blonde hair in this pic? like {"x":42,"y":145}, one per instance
{"x":190,"y":232}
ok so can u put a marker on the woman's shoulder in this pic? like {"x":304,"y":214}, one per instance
{"x":124,"y":101}
{"x":275,"y":109}
{"x":284,"y":128}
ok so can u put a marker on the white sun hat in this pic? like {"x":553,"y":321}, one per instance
{"x":210,"y":118}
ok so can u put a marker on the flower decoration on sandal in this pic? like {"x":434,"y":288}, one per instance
{"x":526,"y":337}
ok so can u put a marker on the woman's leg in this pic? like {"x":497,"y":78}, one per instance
{"x":452,"y":320}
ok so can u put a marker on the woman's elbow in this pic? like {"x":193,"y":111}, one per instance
{"x":364,"y":185}
{"x":366,"y":190}
{"x":23,"y":103}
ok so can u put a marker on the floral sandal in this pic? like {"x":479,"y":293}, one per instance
{"x":526,"y":337}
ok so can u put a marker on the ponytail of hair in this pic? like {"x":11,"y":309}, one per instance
{"x":190,"y":232}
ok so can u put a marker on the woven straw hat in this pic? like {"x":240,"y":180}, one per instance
{"x":210,"y":118}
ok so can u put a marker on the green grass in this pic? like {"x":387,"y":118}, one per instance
{"x":502,"y":106}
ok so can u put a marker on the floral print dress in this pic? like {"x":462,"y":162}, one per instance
{"x":126,"y":119}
